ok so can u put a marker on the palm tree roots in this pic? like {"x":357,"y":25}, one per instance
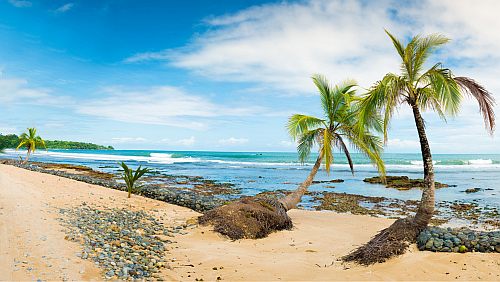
{"x":250,"y":218}
{"x":390,"y":242}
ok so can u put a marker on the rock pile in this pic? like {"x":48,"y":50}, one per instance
{"x":438,"y":239}
{"x":125,"y":244}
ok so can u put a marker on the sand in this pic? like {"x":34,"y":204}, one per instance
{"x":32,"y":244}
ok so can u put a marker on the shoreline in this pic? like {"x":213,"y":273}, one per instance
{"x":201,"y":194}
{"x":31,"y":201}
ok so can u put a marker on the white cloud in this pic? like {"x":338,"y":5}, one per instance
{"x":119,"y":140}
{"x":21,"y":3}
{"x":233,"y":141}
{"x":64,"y":8}
{"x":4,"y":130}
{"x":287,"y":144}
{"x":402,"y":145}
{"x":187,"y":142}
{"x":148,"y":56}
{"x":159,"y":105}
{"x":182,"y":142}
{"x":282,"y":45}
{"x":18,"y":91}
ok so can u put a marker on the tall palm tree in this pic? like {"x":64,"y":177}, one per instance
{"x":338,"y":126}
{"x":422,"y":89}
{"x":31,"y":141}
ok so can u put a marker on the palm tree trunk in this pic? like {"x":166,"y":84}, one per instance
{"x":291,"y":201}
{"x":426,"y":207}
{"x":27,"y":157}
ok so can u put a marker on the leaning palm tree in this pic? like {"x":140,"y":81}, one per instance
{"x":422,"y":89}
{"x":338,"y":126}
{"x":31,"y":141}
{"x":257,"y":217}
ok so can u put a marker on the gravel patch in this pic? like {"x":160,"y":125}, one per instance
{"x":124,"y":244}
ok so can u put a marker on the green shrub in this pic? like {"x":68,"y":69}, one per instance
{"x":130,"y":177}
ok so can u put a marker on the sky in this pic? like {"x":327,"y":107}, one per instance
{"x":225,"y":75}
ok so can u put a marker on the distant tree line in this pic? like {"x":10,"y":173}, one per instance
{"x":11,"y":141}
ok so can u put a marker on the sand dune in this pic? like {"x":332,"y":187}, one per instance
{"x":32,"y":244}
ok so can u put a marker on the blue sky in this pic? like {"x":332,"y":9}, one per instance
{"x":226,"y":74}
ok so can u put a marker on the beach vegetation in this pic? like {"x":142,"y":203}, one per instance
{"x":10,"y":141}
{"x":256,"y":217}
{"x":30,"y":140}
{"x":336,"y":129}
{"x":131,"y":176}
{"x":435,"y":89}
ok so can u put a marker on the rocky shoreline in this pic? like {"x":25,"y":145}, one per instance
{"x":201,"y":195}
{"x":458,"y":240}
{"x":184,"y":198}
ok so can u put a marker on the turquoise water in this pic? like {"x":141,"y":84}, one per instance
{"x":254,"y":172}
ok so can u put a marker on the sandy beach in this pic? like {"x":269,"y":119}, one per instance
{"x":32,"y":244}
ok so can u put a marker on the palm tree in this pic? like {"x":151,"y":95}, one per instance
{"x":31,"y":141}
{"x":130,"y":177}
{"x":256,"y":217}
{"x":338,"y":126}
{"x":422,"y":89}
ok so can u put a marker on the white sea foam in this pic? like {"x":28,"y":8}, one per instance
{"x":480,"y":162}
{"x":421,"y":163}
{"x":165,"y":158}
{"x":152,"y":158}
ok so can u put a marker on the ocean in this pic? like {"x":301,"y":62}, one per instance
{"x":254,"y":172}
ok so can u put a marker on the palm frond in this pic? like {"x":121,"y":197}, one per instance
{"x":397,"y":44}
{"x":327,"y":149}
{"x":325,"y":92}
{"x":343,"y":148}
{"x":384,"y":97}
{"x":306,"y":142}
{"x":446,"y":93}
{"x":298,"y":124}
{"x":425,"y":47}
{"x":484,"y":98}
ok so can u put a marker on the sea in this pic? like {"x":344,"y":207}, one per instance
{"x":254,"y":172}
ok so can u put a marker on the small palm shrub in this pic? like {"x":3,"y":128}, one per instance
{"x":130,"y":177}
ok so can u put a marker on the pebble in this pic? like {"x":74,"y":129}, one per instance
{"x":438,"y":239}
{"x":123,"y":243}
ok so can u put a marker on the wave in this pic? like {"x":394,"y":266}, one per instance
{"x":480,"y":162}
{"x":159,"y":158}
{"x":421,"y":163}
{"x":173,"y":158}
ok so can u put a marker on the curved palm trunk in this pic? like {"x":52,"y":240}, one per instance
{"x":27,"y":156}
{"x":291,"y":201}
{"x":426,"y":207}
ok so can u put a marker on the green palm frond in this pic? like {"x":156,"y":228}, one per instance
{"x":30,"y":140}
{"x":327,"y":149}
{"x":445,"y":91}
{"x":299,"y":124}
{"x":384,"y":97}
{"x":397,"y":44}
{"x":425,"y":47}
{"x":306,"y":142}
{"x":341,"y":124}
{"x":325,"y":92}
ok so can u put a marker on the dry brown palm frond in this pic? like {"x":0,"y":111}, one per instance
{"x":483,"y":97}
